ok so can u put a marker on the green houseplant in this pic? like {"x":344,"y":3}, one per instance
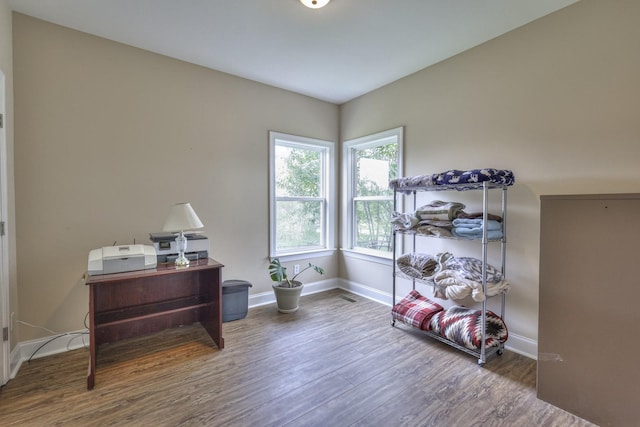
{"x":287,"y":290}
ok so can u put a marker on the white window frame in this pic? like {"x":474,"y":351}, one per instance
{"x":328,"y":179}
{"x":349,"y":188}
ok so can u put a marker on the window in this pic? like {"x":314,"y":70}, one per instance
{"x":370,"y":163}
{"x":301,"y":175}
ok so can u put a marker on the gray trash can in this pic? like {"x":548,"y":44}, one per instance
{"x":235,"y":299}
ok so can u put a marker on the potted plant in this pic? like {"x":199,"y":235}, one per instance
{"x":287,"y":291}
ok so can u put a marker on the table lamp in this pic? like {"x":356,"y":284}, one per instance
{"x":182,"y":217}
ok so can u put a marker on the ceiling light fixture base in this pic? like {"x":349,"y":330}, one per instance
{"x":315,"y":4}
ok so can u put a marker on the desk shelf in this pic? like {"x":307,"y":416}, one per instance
{"x":132,"y":304}
{"x":132,"y":314}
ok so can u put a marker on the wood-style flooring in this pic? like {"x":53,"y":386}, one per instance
{"x":335,"y":362}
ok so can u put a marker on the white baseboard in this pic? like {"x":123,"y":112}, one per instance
{"x":47,"y":346}
{"x":264,"y":298}
{"x":42,"y":347}
{"x":522,"y":345}
{"x":366,"y":291}
{"x":55,"y":344}
{"x":15,"y":362}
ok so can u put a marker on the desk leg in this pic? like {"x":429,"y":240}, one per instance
{"x":212,"y":323}
{"x":91,"y":376}
{"x":211,"y":318}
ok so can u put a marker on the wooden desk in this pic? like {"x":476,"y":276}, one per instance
{"x":126,"y":305}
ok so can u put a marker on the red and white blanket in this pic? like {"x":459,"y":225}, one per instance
{"x":415,"y":310}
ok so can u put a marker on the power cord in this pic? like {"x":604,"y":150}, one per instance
{"x":58,"y":335}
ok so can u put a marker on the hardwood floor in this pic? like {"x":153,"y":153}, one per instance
{"x":336,"y":362}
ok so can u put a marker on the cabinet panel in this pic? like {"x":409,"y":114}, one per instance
{"x":588,"y":341}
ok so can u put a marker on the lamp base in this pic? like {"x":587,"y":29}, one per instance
{"x":181,"y":245}
{"x":181,"y":261}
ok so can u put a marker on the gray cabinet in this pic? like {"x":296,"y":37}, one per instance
{"x":589,"y":307}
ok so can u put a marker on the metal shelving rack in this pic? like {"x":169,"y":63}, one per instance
{"x":485,"y":187}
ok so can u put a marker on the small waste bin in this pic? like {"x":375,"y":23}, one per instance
{"x":235,"y":299}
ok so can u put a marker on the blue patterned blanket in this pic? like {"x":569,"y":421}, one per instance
{"x":453,"y":177}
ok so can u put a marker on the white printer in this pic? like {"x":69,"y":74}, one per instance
{"x":118,"y":259}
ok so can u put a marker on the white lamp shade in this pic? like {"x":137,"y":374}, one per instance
{"x":182,"y":217}
{"x":315,"y":4}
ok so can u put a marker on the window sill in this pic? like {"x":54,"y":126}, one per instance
{"x":305,"y":255}
{"x":377,"y":257}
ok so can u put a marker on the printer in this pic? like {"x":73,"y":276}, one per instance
{"x":167,"y":250}
{"x":118,"y":259}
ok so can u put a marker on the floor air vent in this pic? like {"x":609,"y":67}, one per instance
{"x":344,"y":297}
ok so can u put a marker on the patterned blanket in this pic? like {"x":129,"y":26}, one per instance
{"x":417,"y":266}
{"x":469,"y":268}
{"x":453,"y":278}
{"x":415,"y":310}
{"x":453,"y":177}
{"x":464,"y":327}
{"x":437,"y":209}
{"x":457,"y":278}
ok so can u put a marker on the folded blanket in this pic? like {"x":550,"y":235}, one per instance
{"x":403,"y":221}
{"x":432,"y":230}
{"x":475,"y":215}
{"x":404,"y":185}
{"x":468,"y":228}
{"x":465,"y":233}
{"x":417,"y":265}
{"x":438,"y":209}
{"x":464,"y":327}
{"x":451,"y":284}
{"x":469,"y":268}
{"x":415,"y":310}
{"x":473,"y":223}
{"x":442,"y":223}
{"x":454,"y":176}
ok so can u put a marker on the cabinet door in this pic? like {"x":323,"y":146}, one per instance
{"x":589,"y":321}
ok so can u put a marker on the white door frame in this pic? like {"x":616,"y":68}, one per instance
{"x":5,"y":354}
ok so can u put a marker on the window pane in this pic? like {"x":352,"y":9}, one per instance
{"x":299,"y":225}
{"x":376,"y":166}
{"x":298,"y":172}
{"x":373,"y":224}
{"x":371,"y":161}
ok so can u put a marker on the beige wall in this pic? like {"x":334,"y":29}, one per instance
{"x":104,"y":129}
{"x":6,"y":65}
{"x":109,"y":136}
{"x":556,"y":101}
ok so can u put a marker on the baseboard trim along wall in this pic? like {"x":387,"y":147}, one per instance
{"x":41,"y":347}
{"x":55,"y":344}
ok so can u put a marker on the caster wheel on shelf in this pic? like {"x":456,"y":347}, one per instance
{"x":500,"y":352}
{"x":481,"y":363}
{"x":393,"y":323}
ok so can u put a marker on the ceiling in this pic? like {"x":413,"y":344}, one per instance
{"x":336,"y":53}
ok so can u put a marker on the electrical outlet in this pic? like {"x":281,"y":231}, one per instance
{"x":296,"y":269}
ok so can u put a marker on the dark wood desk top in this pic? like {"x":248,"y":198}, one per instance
{"x":166,"y":268}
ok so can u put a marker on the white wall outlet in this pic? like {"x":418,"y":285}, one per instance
{"x":296,"y":269}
